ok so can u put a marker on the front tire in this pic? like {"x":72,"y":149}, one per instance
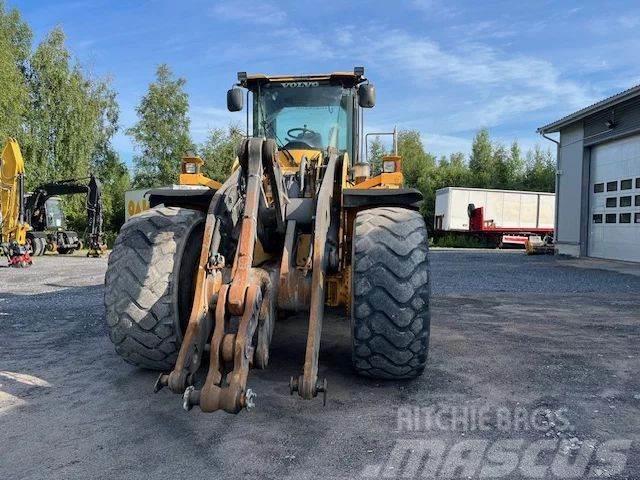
{"x":390,"y":292}
{"x":149,"y":284}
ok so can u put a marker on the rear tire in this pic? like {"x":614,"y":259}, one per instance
{"x":149,"y":284}
{"x":390,"y":316}
{"x":42,"y":245}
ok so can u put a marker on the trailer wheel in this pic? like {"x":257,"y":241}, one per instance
{"x":149,"y":284}
{"x":390,"y":291}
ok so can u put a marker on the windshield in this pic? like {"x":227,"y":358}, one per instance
{"x":299,"y":115}
{"x":55,"y":217}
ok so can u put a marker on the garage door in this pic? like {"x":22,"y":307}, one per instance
{"x":614,"y":229}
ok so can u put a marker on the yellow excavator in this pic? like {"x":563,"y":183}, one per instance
{"x":196,"y":284}
{"x":13,"y":227}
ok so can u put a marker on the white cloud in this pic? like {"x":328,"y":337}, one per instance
{"x":484,"y":86}
{"x":299,"y":43}
{"x":261,"y":13}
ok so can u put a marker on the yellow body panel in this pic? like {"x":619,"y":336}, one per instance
{"x":196,"y":178}
{"x":11,"y":168}
{"x":384,"y":180}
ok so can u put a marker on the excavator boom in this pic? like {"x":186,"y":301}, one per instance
{"x":14,"y":229}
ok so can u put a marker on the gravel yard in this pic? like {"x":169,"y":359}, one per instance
{"x":522,"y":335}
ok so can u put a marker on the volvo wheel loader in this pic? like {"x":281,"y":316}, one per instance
{"x":195,"y":285}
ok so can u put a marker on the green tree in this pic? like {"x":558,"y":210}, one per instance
{"x":106,"y":163}
{"x":61,"y":121}
{"x":161,"y":134}
{"x":15,"y":45}
{"x":540,"y":172}
{"x":13,"y":92}
{"x":515,"y":169}
{"x":508,"y":166}
{"x":115,"y":179}
{"x":376,"y":152}
{"x":106,"y":124}
{"x":453,"y":171}
{"x":481,"y":162}
{"x":219,"y":151}
{"x":18,"y":33}
{"x":416,"y":162}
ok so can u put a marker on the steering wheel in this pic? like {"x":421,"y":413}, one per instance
{"x":302,"y":133}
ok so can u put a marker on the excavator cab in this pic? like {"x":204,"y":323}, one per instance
{"x":55,"y":214}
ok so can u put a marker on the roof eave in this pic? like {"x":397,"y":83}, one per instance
{"x":585,"y":112}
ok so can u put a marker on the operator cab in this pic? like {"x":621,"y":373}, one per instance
{"x":306,"y":115}
{"x":54,"y":215}
{"x":49,"y":216}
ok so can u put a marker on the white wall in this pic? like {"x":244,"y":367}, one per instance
{"x":569,"y":190}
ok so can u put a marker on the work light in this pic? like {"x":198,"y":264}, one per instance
{"x":389,"y":166}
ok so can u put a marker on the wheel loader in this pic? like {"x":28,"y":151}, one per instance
{"x":196,"y":284}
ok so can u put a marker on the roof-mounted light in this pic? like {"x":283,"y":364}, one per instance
{"x":242,"y":76}
{"x":359,"y":71}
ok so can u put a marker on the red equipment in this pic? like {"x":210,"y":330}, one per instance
{"x":506,"y":235}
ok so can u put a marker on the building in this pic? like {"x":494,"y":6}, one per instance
{"x":598,"y":179}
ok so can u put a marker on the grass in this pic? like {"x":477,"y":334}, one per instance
{"x":456,"y":240}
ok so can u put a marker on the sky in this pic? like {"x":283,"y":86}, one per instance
{"x":444,"y":68}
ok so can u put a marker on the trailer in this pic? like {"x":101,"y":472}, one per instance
{"x":501,"y":217}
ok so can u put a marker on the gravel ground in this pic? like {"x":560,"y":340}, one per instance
{"x":526,"y":336}
{"x":509,"y":271}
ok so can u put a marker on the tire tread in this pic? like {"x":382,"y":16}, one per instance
{"x":140,"y":286}
{"x":390,"y":293}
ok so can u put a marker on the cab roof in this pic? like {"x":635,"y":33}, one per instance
{"x":348,"y":79}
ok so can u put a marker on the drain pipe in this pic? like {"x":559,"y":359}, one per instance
{"x":557,"y":189}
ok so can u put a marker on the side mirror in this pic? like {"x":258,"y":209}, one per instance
{"x":235,"y":99}
{"x":366,"y":95}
